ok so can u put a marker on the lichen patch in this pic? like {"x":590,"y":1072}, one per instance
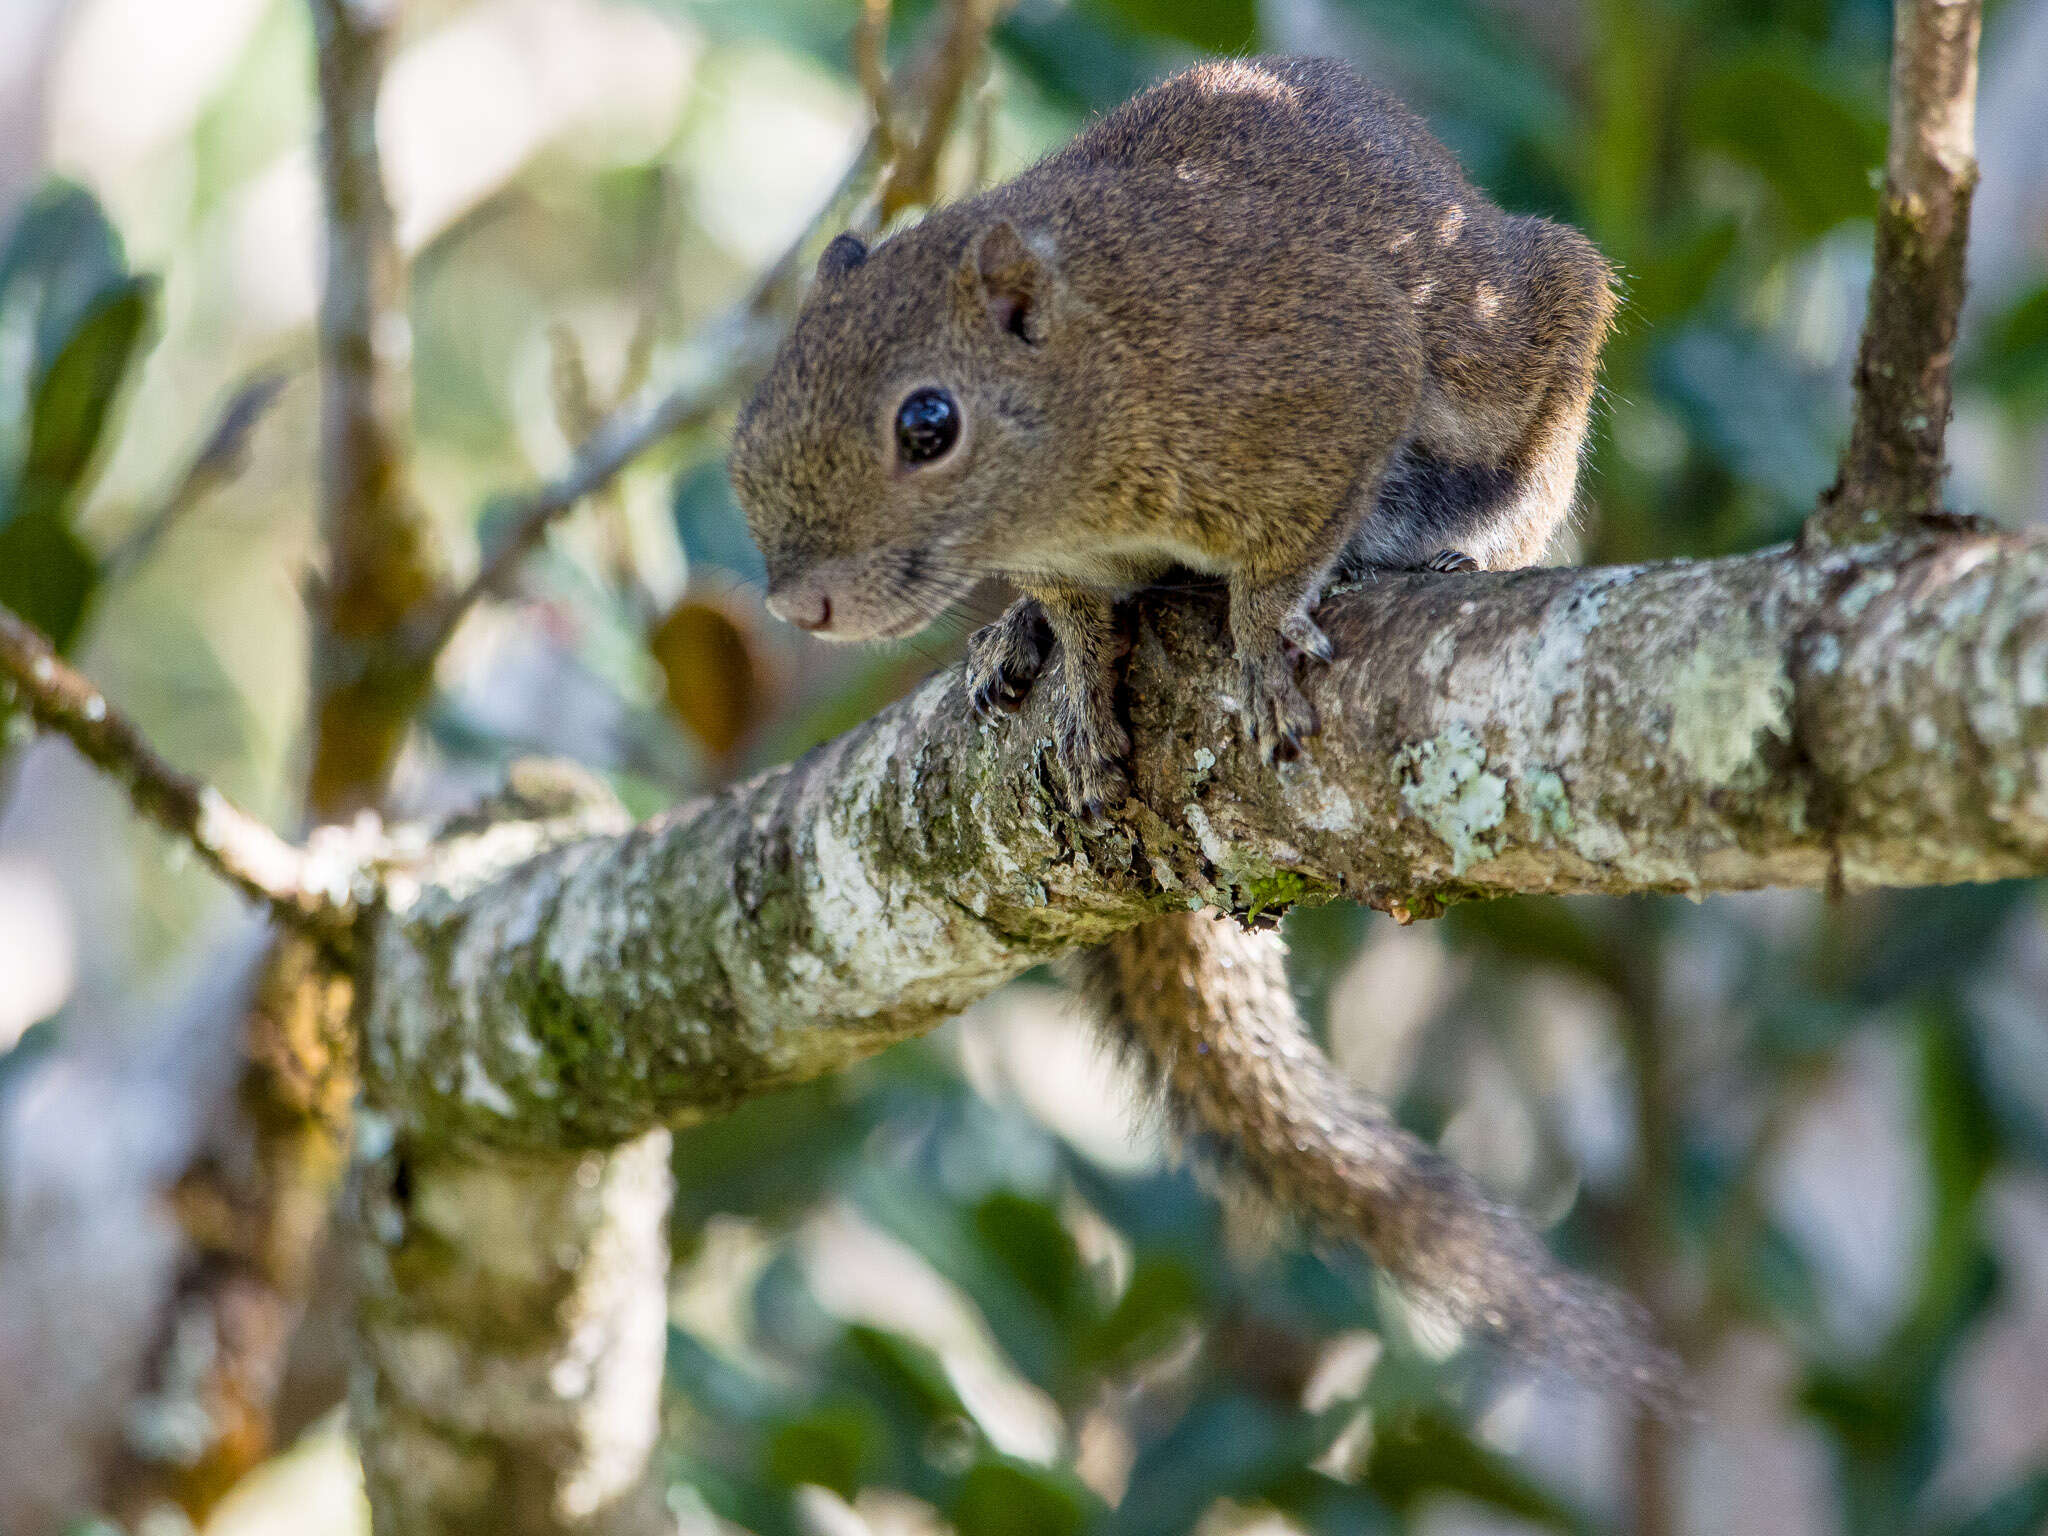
{"x":1449,"y":787}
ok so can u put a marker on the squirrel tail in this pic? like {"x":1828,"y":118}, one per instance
{"x":1204,"y":1008}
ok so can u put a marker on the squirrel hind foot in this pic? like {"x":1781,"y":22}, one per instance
{"x":1277,"y":714}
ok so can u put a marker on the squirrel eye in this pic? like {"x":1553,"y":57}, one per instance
{"x":927,"y":426}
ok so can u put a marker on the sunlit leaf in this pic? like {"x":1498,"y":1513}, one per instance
{"x":711,"y":677}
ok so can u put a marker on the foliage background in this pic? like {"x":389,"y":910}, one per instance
{"x":963,"y":1286}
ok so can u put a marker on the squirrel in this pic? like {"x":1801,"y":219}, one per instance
{"x":1256,"y":324}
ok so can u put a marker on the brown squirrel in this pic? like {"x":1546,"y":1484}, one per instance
{"x":1254,"y":324}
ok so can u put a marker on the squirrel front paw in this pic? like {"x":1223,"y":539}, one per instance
{"x":1005,"y":658}
{"x":1278,"y":715}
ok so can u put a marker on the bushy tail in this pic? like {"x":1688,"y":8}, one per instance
{"x":1203,"y":1006}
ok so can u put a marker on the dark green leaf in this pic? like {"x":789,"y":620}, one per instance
{"x":1028,"y":1239}
{"x":831,"y":1446}
{"x":78,"y":388}
{"x":1012,"y":1498}
{"x":1214,"y":26}
{"x":46,"y":573}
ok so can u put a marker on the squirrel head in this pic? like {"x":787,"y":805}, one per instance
{"x":897,"y":450}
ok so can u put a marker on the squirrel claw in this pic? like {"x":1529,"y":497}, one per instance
{"x":1301,"y":632}
{"x":1094,"y":790}
{"x":1277,"y":715}
{"x":1004,"y":660}
{"x":1451,"y":562}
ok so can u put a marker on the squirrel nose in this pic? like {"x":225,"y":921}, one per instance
{"x":806,"y":609}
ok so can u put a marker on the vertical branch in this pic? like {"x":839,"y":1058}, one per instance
{"x":382,"y":565}
{"x":253,"y":1202}
{"x":512,"y":1325}
{"x":1892,"y":469}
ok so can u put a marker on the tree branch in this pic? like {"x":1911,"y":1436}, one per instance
{"x":311,"y":889}
{"x":1880,"y":717}
{"x":542,"y":1417}
{"x":1892,"y":470}
{"x":383,"y":566}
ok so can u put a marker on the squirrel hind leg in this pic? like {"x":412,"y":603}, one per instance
{"x":1429,"y":515}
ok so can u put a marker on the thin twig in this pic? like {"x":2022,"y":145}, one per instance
{"x":1892,"y":470}
{"x":982,"y":165}
{"x":219,"y":460}
{"x":383,"y":568}
{"x":620,"y":438}
{"x":303,"y":887}
{"x":870,"y":48}
{"x":911,"y":180}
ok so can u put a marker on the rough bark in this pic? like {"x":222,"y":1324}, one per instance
{"x":512,"y":1324}
{"x":1893,"y":467}
{"x":1879,"y":717}
{"x":384,"y":570}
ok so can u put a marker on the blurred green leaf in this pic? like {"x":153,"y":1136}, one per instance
{"x":1424,"y":1454}
{"x":78,"y":387}
{"x":1676,"y":277}
{"x":1227,"y":1443}
{"x":948,"y":1239}
{"x":71,"y":319}
{"x":712,"y":526}
{"x":46,"y":573}
{"x":913,"y":1370}
{"x":2011,"y":354}
{"x":1161,"y":1297}
{"x":60,"y":260}
{"x":1773,"y":422}
{"x":1214,"y":26}
{"x":830,"y":1446}
{"x":1002,"y":1497}
{"x":2019,"y":1511}
{"x":1028,"y":1238}
{"x":1814,"y":145}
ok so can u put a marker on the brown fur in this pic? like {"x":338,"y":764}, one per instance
{"x":1255,"y":323}
{"x":1205,"y":1009}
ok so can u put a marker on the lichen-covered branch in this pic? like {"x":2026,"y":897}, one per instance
{"x":512,"y":1316}
{"x":310,"y":889}
{"x":1877,"y":717}
{"x":1892,"y":469}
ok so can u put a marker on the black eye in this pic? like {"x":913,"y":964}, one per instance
{"x":927,"y":426}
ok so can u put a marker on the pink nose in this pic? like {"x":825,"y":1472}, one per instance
{"x":806,"y":608}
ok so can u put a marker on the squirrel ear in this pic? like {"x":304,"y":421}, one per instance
{"x":1013,"y":282}
{"x":846,"y":252}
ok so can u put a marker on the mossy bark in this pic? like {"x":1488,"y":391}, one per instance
{"x":1878,"y":717}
